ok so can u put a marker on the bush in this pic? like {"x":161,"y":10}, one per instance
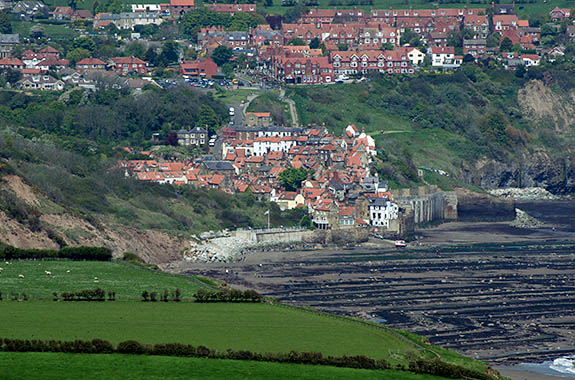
{"x":131,"y":347}
{"x":225,"y":295}
{"x":71,"y":253}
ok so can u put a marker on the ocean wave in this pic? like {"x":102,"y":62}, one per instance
{"x":565,"y":364}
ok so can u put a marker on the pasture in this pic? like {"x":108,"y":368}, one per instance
{"x":128,"y":281}
{"x":254,"y":327}
{"x":52,"y":366}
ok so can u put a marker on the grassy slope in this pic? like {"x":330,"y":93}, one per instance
{"x":24,"y":366}
{"x":255,"y":327}
{"x":126,"y":280}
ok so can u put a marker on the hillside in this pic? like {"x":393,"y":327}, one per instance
{"x":52,"y":198}
{"x":484,"y":127}
{"x":122,"y":367}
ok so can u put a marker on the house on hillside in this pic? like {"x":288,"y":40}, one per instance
{"x":125,"y":65}
{"x":180,"y":7}
{"x":91,"y":64}
{"x":7,"y":43}
{"x":41,"y":82}
{"x":559,"y":14}
{"x":201,"y":67}
{"x":194,"y":137}
{"x":258,"y":119}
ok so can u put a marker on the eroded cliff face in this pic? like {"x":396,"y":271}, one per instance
{"x":541,"y":104}
{"x":549,"y":160}
{"x":538,"y":169}
{"x":152,"y":246}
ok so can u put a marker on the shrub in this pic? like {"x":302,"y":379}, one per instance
{"x":131,"y":347}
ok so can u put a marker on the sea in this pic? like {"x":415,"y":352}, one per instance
{"x":560,"y":367}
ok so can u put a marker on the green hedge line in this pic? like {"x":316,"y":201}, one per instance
{"x":71,"y":253}
{"x":98,"y":346}
{"x":227,"y":295}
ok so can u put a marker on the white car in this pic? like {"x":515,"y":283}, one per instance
{"x":232,"y":111}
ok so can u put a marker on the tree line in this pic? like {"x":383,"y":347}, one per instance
{"x":227,"y":295}
{"x":99,"y":346}
{"x":70,"y":253}
{"x":98,"y":295}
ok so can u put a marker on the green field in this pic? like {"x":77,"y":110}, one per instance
{"x":28,"y":366}
{"x":128,"y":281}
{"x":254,"y":327}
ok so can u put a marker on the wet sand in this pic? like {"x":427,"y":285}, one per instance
{"x":517,"y":374}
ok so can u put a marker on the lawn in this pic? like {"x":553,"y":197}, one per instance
{"x":234,"y":96}
{"x":128,"y":281}
{"x":254,"y":327}
{"x":28,"y":366}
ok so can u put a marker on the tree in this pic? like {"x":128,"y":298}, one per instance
{"x":84,"y":43}
{"x":77,"y":54}
{"x":171,"y":139}
{"x":12,"y":76}
{"x":5,"y":25}
{"x":520,"y":71}
{"x":207,"y":118}
{"x":292,"y":178}
{"x":296,"y":42}
{"x":170,"y":53}
{"x":227,"y":69}
{"x":315,"y":43}
{"x":342,"y":47}
{"x":506,"y":44}
{"x":37,"y":31}
{"x":73,"y":4}
{"x":408,"y":36}
{"x":387,"y":46}
{"x":136,"y":49}
{"x":221,"y":55}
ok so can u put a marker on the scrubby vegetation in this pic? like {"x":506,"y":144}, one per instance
{"x":71,"y":253}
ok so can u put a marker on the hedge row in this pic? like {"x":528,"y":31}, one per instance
{"x":227,"y":295}
{"x":72,"y":253}
{"x":98,"y":346}
{"x":439,"y":368}
{"x":97,"y":294}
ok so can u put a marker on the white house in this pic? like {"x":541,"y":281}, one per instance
{"x":415,"y":56}
{"x":381,"y":211}
{"x":530,"y":60}
{"x":441,"y":56}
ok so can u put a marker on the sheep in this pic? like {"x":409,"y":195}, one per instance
{"x":48,"y":273}
{"x":20,"y":276}
{"x":95,"y":278}
{"x":1,"y":269}
{"x":68,"y":271}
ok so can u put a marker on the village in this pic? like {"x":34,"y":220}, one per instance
{"x":336,"y":184}
{"x":321,"y":46}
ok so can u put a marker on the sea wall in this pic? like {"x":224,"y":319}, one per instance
{"x":427,"y":203}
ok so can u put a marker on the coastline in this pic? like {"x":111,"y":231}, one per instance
{"x":521,"y":374}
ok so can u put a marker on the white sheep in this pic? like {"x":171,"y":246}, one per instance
{"x":95,"y":278}
{"x":20,"y":276}
{"x":68,"y":271}
{"x":48,"y":273}
{"x":1,"y":269}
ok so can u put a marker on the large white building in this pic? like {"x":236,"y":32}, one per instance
{"x":382,"y":211}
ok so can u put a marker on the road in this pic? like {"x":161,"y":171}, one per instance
{"x":292,"y":108}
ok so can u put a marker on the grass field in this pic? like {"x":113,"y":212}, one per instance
{"x":28,"y":366}
{"x":254,"y":327}
{"x":128,"y":281}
